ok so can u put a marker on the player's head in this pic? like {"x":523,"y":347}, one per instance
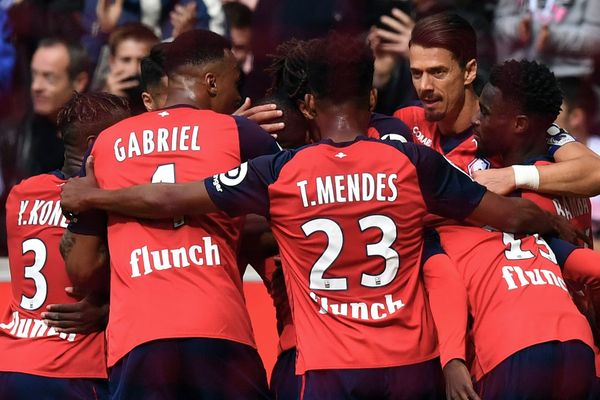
{"x":84,"y":116}
{"x":239,"y":19}
{"x":339,"y":79}
{"x":517,"y":105}
{"x":442,"y":52}
{"x":288,"y":69}
{"x":58,"y":68}
{"x":128,"y":44}
{"x":295,"y":132}
{"x":201,"y":66}
{"x":579,"y":106}
{"x":153,"y":78}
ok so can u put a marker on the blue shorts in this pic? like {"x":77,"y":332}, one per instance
{"x":551,"y":370}
{"x":417,"y":381}
{"x":198,"y":368}
{"x":285,"y":384}
{"x":18,"y":386}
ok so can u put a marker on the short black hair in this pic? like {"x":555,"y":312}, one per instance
{"x":293,"y":134}
{"x":133,"y":30}
{"x":78,"y":58}
{"x":529,"y":85}
{"x":195,"y":47}
{"x":446,"y":31}
{"x":237,"y":15}
{"x":579,"y":93}
{"x":340,"y":69}
{"x":288,"y":69}
{"x":88,"y":114}
{"x":151,"y":67}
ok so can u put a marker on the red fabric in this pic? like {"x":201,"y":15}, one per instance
{"x":35,"y":225}
{"x":197,"y":292}
{"x":517,"y":294}
{"x":448,"y":302}
{"x":356,"y":326}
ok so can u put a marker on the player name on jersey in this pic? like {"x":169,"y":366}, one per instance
{"x":30,"y":328}
{"x":41,"y":212}
{"x":177,"y":138}
{"x":349,"y":188}
{"x":163,"y":259}
{"x":571,"y":207}
{"x":359,"y":310}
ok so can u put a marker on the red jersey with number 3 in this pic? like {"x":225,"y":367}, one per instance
{"x":35,"y":225}
{"x":348,"y":220}
{"x":175,"y":278}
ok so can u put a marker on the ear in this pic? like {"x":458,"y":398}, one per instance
{"x":308,"y":107}
{"x":81,"y":81}
{"x":470,"y":72}
{"x":210,"y":80}
{"x":521,"y":124}
{"x":90,"y":140}
{"x":372,"y":99}
{"x":148,"y":102}
{"x":577,"y":118}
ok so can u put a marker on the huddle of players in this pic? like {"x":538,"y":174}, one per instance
{"x":347,"y":214}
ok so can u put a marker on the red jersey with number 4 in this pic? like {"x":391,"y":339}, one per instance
{"x":517,"y":294}
{"x":348,"y":220}
{"x":35,"y":225}
{"x":175,"y":278}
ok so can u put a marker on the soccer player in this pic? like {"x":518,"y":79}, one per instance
{"x":530,"y":341}
{"x":347,"y":215}
{"x":37,"y":361}
{"x":443,"y":64}
{"x":178,"y":325}
{"x":153,"y":79}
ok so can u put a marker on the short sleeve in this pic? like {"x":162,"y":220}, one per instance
{"x":391,"y":128}
{"x":557,"y":137}
{"x":561,"y":249}
{"x":254,"y":140}
{"x":245,"y":189}
{"x":446,"y":189}
{"x":431,"y":245}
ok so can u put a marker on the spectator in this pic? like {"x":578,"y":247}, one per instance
{"x":561,"y":34}
{"x":239,"y":23}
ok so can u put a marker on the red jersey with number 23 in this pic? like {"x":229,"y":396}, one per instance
{"x":35,"y":225}
{"x":348,"y":220}
{"x":175,"y":278}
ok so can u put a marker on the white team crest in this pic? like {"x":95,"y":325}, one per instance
{"x":478,"y":164}
{"x":234,"y":176}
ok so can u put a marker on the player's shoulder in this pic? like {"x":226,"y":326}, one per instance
{"x":48,"y":183}
{"x":410,"y":114}
{"x":387,"y":126}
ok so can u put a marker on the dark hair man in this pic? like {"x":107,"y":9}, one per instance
{"x":153,"y":78}
{"x":203,"y":345}
{"x":349,"y":243}
{"x":39,"y":361}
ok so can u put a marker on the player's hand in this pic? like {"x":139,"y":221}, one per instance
{"x":543,"y":39}
{"x":459,"y":385}
{"x":74,"y":192}
{"x":108,"y":13}
{"x":524,"y":30}
{"x":183,"y":18}
{"x":86,"y":316}
{"x":262,"y":115}
{"x":119,"y":81}
{"x":566,"y":231}
{"x":498,"y":180}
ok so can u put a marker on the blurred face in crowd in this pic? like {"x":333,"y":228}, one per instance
{"x":241,"y":39}
{"x":128,"y":55}
{"x":51,"y":87}
{"x":440,"y":81}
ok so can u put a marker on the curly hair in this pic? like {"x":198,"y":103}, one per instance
{"x":288,"y":69}
{"x":530,"y":85}
{"x":88,"y":114}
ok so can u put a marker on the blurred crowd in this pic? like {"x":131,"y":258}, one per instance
{"x":51,"y":48}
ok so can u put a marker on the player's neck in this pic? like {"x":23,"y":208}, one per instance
{"x":525,"y":151}
{"x":461,"y":120}
{"x":342,"y":123}
{"x":72,"y":166}
{"x":176,"y":96}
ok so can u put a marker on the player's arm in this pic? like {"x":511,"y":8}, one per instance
{"x":449,"y":192}
{"x":448,"y":302}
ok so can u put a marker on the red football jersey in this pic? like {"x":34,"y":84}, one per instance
{"x":175,"y":278}
{"x":348,"y":220}
{"x":516,"y":291}
{"x":35,"y":225}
